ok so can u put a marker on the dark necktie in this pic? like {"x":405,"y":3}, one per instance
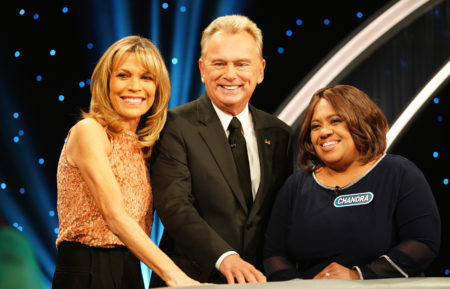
{"x":239,"y":150}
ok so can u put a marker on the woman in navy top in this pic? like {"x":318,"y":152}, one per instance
{"x":352,"y":212}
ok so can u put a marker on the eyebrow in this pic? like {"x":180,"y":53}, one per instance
{"x":328,"y":117}
{"x":235,"y":60}
{"x":128,"y":71}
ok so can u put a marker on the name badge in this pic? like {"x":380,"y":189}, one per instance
{"x":353,"y":200}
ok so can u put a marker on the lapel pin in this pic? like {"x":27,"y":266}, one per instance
{"x":267,"y":141}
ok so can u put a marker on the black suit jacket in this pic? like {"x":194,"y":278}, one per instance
{"x":197,"y":193}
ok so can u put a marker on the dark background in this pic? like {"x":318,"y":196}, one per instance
{"x":392,"y":75}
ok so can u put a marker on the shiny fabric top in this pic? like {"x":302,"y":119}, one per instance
{"x":80,"y":219}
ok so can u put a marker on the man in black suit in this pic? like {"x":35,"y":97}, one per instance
{"x":214,"y":211}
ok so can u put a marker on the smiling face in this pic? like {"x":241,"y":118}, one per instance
{"x":131,"y":89}
{"x":230,"y":68}
{"x":331,"y":138}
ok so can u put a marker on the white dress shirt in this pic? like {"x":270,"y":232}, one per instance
{"x":245,"y":117}
{"x":248,"y":128}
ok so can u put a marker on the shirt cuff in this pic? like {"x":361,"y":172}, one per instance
{"x":224,"y":255}
{"x":361,"y":277}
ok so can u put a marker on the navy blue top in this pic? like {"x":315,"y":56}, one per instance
{"x":386,"y":223}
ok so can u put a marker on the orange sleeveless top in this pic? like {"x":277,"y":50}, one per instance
{"x":80,"y":219}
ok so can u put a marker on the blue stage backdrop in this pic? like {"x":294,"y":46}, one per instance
{"x":49,"y":50}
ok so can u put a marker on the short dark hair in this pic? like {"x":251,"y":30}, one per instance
{"x":365,"y":120}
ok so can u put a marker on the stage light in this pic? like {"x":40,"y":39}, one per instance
{"x":38,"y":78}
{"x":280,"y":50}
{"x":51,"y":213}
{"x":41,"y":161}
{"x":81,"y":84}
{"x":436,"y":12}
{"x":165,"y":5}
{"x":359,"y":14}
{"x":299,"y":22}
{"x":445,"y":181}
{"x":21,"y":132}
{"x":440,"y":118}
{"x":174,"y":60}
{"x":431,"y":86}
{"x":346,"y":55}
{"x":55,"y":230}
{"x":21,"y":11}
{"x":52,"y":52}
{"x":16,"y":115}
{"x":289,"y":32}
{"x":17,"y":53}
{"x":326,"y":21}
{"x":3,"y":186}
{"x":61,"y":97}
{"x":65,"y":10}
{"x":435,"y":155}
{"x":17,"y":226}
{"x":447,"y":272}
{"x":16,"y":139}
{"x":36,"y":16}
{"x":22,"y":191}
{"x":183,"y":9}
{"x":90,"y":46}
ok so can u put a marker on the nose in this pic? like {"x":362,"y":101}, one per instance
{"x":230,"y":72}
{"x":325,"y":131}
{"x":134,"y":84}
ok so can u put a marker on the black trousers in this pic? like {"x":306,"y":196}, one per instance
{"x":83,"y":267}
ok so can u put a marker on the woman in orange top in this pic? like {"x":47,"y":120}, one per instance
{"x":105,"y":203}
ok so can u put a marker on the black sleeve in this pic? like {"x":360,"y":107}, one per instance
{"x":418,"y":226}
{"x":174,"y":199}
{"x":277,"y":265}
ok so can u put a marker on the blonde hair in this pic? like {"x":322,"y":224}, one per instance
{"x":232,"y":24}
{"x":101,"y":109}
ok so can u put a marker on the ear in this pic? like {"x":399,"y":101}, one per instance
{"x":261,"y":71}
{"x":200,"y":66}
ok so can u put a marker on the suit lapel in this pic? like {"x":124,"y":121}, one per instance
{"x":265,"y":152}
{"x":211,"y":130}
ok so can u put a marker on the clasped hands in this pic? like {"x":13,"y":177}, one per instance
{"x":337,"y":271}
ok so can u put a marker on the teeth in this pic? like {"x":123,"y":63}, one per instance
{"x":329,"y":143}
{"x":133,"y":100}
{"x":230,"y":87}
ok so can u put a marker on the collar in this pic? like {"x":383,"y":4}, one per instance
{"x":225,"y":118}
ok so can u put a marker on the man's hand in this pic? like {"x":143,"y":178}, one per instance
{"x":234,"y":268}
{"x":336,"y":271}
